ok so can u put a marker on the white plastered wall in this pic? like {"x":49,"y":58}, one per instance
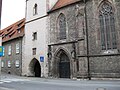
{"x":39,"y":26}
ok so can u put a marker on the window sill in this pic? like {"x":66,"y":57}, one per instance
{"x":107,"y":52}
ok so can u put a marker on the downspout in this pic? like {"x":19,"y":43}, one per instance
{"x":87,"y":41}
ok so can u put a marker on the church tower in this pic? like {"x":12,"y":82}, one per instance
{"x":35,"y":43}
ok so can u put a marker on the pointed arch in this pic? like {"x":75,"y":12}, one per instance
{"x":107,"y":26}
{"x":60,"y":50}
{"x":62,"y":64}
{"x":62,"y":26}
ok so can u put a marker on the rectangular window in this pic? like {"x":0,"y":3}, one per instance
{"x":17,"y":64}
{"x":9,"y":64}
{"x":34,"y":51}
{"x":17,"y":48}
{"x":35,"y":36}
{"x":2,"y":64}
{"x":9,"y":50}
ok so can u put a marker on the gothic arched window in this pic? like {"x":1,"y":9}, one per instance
{"x":62,"y":26}
{"x":107,"y":27}
{"x":35,"y":9}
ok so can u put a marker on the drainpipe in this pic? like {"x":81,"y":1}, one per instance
{"x":86,"y":25}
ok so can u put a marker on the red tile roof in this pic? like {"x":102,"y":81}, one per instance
{"x":13,"y":31}
{"x":63,"y":3}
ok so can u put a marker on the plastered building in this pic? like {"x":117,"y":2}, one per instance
{"x":35,"y":52}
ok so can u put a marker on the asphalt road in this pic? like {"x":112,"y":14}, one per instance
{"x":28,"y":83}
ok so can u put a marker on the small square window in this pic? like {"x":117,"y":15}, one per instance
{"x":34,"y":51}
{"x":35,"y":36}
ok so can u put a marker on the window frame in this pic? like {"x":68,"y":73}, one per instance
{"x":2,"y":64}
{"x":34,"y":51}
{"x":17,"y":48}
{"x":9,"y":64}
{"x":34,"y":35}
{"x":9,"y":50}
{"x":62,"y":27}
{"x":107,"y":27}
{"x":17,"y":64}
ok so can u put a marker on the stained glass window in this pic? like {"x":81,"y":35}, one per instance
{"x":107,"y":27}
{"x":62,"y":27}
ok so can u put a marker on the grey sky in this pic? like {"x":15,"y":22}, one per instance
{"x":12,"y":11}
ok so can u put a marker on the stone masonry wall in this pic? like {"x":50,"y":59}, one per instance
{"x":103,"y":63}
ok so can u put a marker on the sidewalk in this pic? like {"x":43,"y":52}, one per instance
{"x":5,"y":76}
{"x":10,"y":78}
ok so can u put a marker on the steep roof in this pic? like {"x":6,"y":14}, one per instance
{"x":13,"y":31}
{"x":63,"y":3}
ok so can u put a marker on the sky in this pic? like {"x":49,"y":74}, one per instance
{"x":12,"y":11}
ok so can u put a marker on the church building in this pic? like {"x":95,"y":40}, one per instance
{"x":84,"y":39}
{"x":72,"y":39}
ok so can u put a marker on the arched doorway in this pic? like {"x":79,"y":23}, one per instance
{"x":64,"y":66}
{"x":35,"y":68}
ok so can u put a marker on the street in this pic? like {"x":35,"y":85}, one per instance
{"x":11,"y":82}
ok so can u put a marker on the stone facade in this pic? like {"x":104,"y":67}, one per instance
{"x":83,"y":37}
{"x":103,"y":63}
{"x":75,"y":36}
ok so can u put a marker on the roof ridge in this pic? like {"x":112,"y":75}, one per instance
{"x":62,"y":3}
{"x":11,"y":32}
